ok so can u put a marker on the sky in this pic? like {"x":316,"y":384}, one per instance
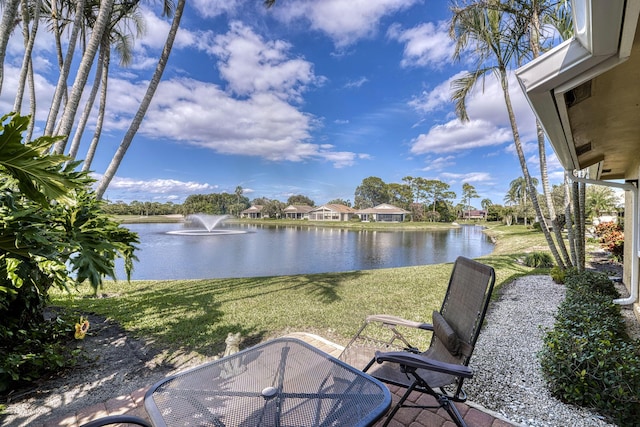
{"x":306,"y":98}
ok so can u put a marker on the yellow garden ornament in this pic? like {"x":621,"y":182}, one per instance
{"x":81,"y":328}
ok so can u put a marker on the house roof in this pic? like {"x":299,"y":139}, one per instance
{"x":335,"y":207}
{"x":254,"y":208}
{"x":298,"y":208}
{"x":585,"y":90}
{"x":384,"y":208}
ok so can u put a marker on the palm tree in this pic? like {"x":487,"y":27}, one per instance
{"x":86,"y":63}
{"x":144,"y":105}
{"x":29,"y":40}
{"x":118,"y":36}
{"x":496,"y":42}
{"x":7,"y":24}
{"x":61,"y":86}
{"x":468,"y":192}
{"x":600,"y":199}
{"x":536,"y":12}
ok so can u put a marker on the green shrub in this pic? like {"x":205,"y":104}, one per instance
{"x":588,"y":358}
{"x":611,"y":238}
{"x":538,"y":259}
{"x":557,"y":274}
{"x":36,"y":352}
{"x":54,"y":234}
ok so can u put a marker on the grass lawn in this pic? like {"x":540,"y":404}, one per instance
{"x":196,"y":315}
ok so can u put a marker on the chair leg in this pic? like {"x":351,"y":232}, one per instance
{"x":398,"y":405}
{"x":452,"y":410}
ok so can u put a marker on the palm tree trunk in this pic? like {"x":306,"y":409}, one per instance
{"x":144,"y":105}
{"x":84,"y":118}
{"x":71,"y":108}
{"x":101,"y":111}
{"x":544,"y":175}
{"x":64,"y":72}
{"x":546,"y":188}
{"x":29,"y":39}
{"x":32,"y":102}
{"x":569,"y":221}
{"x":6,"y":27}
{"x":583,"y":225}
{"x":525,"y":170}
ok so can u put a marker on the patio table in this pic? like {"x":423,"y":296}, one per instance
{"x":282,"y":382}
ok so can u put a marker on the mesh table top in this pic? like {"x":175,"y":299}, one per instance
{"x":283,"y":382}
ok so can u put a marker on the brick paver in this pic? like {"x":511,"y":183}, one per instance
{"x":406,"y":417}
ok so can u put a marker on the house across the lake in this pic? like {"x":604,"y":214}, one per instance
{"x":332,"y":212}
{"x":254,"y":212}
{"x":383,"y":213}
{"x":297,"y":211}
{"x":474,"y":214}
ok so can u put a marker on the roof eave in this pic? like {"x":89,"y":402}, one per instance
{"x":600,"y":44}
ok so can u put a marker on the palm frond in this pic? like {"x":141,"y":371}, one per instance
{"x":461,"y":87}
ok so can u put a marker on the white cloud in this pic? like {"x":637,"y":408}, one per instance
{"x":254,"y":117}
{"x":486,"y":102}
{"x":438,"y":163}
{"x":438,"y":98}
{"x":198,"y":113}
{"x":211,"y":9}
{"x":467,"y":177}
{"x":356,"y":83}
{"x":149,"y":44}
{"x":426,"y":45}
{"x":129,"y":189}
{"x":456,"y":136}
{"x":250,"y":65}
{"x":344,"y":22}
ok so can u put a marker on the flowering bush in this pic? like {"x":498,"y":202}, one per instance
{"x":611,"y":238}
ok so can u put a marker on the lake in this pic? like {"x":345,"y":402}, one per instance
{"x":276,"y":250}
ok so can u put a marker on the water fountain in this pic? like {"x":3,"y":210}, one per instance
{"x":209,"y":222}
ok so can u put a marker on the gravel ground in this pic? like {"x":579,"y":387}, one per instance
{"x":507,"y":377}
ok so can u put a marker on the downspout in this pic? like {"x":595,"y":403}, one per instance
{"x":627,"y":186}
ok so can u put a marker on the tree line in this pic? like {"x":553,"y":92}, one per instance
{"x":426,"y":199}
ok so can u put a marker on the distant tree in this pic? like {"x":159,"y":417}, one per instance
{"x":495,"y":212}
{"x":518,"y":191}
{"x":485,"y":203}
{"x":300,"y":200}
{"x":420,"y":189}
{"x":273,"y":209}
{"x":262,"y":201}
{"x":400,"y":195}
{"x":468,"y":192}
{"x":339,"y":202}
{"x":440,"y":193}
{"x":600,"y":200}
{"x":372,"y":192}
{"x":417,"y":212}
{"x":446,"y":210}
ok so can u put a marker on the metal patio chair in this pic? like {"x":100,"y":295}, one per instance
{"x":380,"y":348}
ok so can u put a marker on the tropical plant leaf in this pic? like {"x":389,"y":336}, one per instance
{"x":36,"y":174}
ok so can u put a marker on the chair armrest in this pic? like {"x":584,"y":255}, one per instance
{"x":420,"y":362}
{"x":398,"y":321}
{"x":118,"y":419}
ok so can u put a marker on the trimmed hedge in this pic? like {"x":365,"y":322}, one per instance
{"x":588,"y":358}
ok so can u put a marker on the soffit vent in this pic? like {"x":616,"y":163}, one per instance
{"x":577,"y":94}
{"x":583,"y":149}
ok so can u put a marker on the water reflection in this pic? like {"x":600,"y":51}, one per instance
{"x":286,"y":250}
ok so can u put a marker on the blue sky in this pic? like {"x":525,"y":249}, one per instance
{"x":309,"y":97}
